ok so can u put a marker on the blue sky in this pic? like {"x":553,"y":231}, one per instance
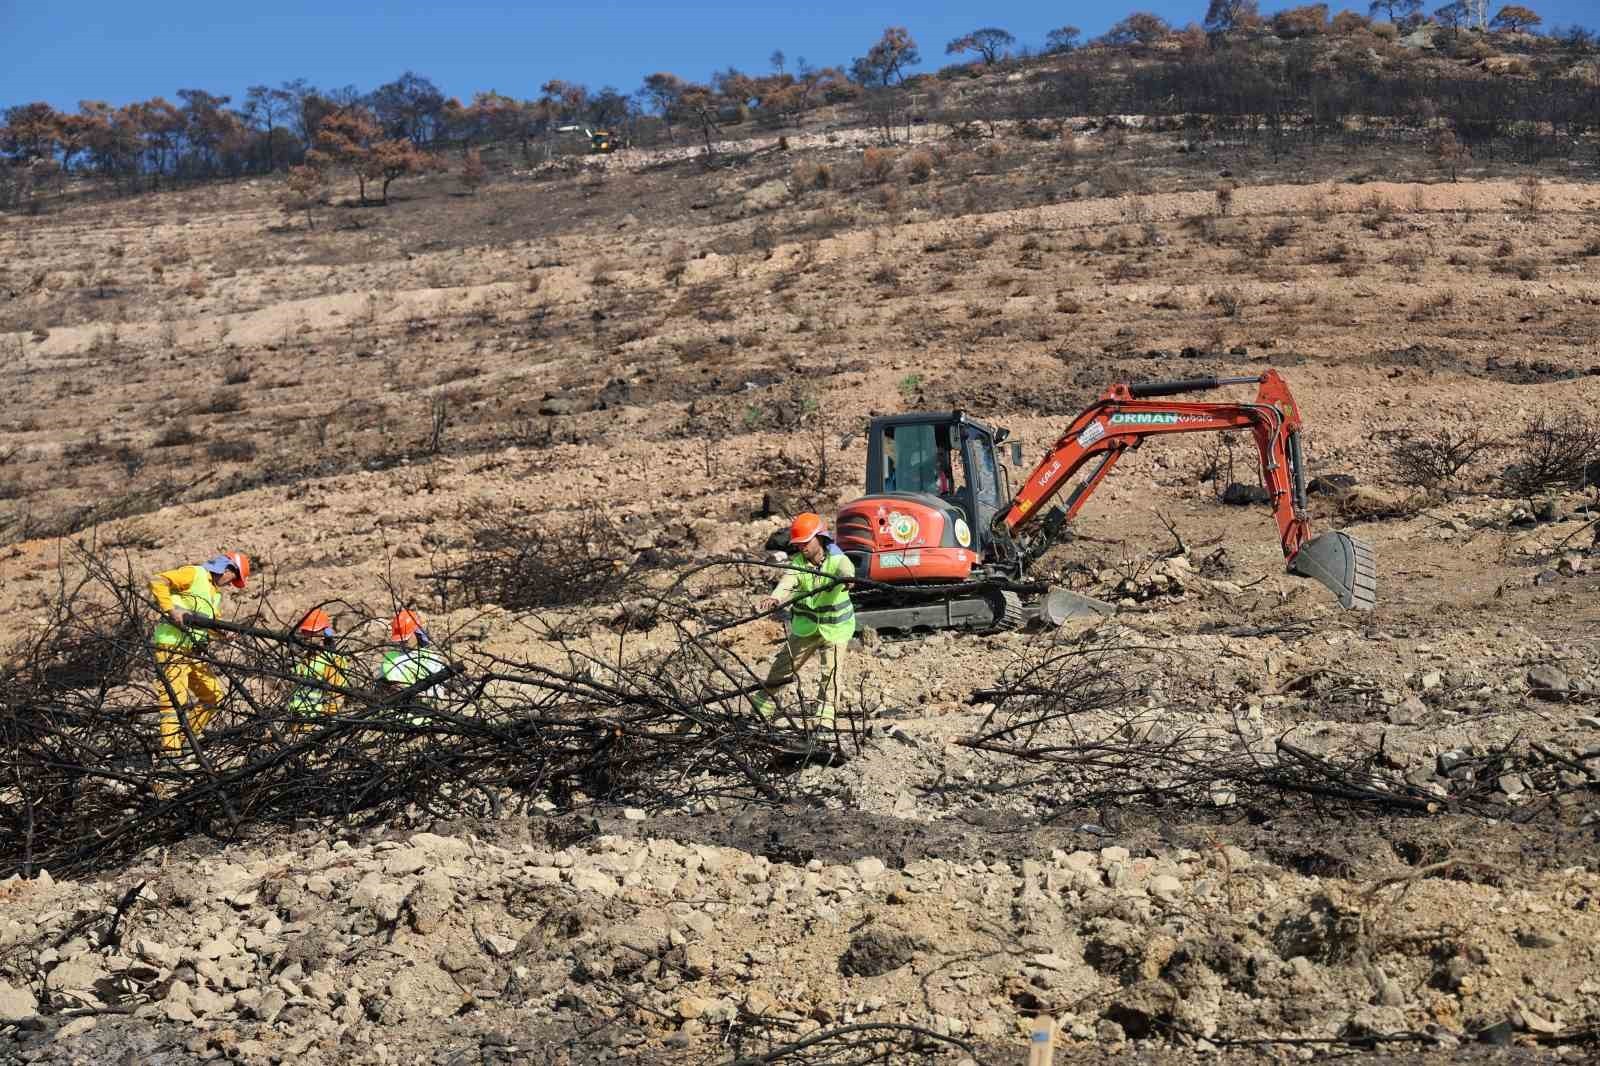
{"x":120,"y":51}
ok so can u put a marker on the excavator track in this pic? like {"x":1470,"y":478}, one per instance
{"x":1009,"y":614}
{"x":974,"y":610}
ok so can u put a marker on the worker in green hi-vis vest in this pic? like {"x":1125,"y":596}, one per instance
{"x":821,"y":620}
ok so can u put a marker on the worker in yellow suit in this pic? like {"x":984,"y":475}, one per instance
{"x":180,"y":593}
{"x":821,"y":620}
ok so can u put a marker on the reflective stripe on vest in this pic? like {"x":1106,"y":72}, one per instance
{"x":201,"y":598}
{"x":824,"y":607}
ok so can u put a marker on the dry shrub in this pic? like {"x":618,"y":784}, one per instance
{"x":1279,"y":234}
{"x":1224,"y":195}
{"x":1432,"y":306}
{"x":1524,"y":267}
{"x":1554,"y":451}
{"x":174,"y":435}
{"x":876,"y":165}
{"x":807,"y":175}
{"x":194,"y":287}
{"x":1379,"y":210}
{"x":1319,"y":207}
{"x":889,"y":198}
{"x":1364,"y":504}
{"x":919,"y":167}
{"x":1529,"y":199}
{"x":1409,"y":258}
{"x":1504,"y":248}
{"x":1434,"y":460}
{"x":1228,"y":301}
{"x":223,"y":403}
{"x":1067,"y":304}
{"x":237,"y":373}
{"x":242,"y":450}
{"x":1591,"y":246}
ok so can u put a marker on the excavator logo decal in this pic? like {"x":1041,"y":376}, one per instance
{"x":903,"y":527}
{"x":1091,"y":433}
{"x":1142,"y":418}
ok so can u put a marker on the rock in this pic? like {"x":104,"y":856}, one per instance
{"x":270,"y":1005}
{"x":691,"y":1007}
{"x":633,"y":814}
{"x":205,"y":1003}
{"x":1431,"y":680}
{"x":1408,"y":711}
{"x":16,"y":1004}
{"x":879,"y":951}
{"x":1548,"y":679}
{"x":430,"y":902}
{"x":1142,"y":1008}
{"x":381,"y":898}
{"x":1375,"y":1021}
{"x":563,"y":405}
{"x":1513,"y":785}
{"x":1331,"y":484}
{"x":77,"y":974}
{"x":1167,"y":888}
{"x":1109,"y":1032}
{"x":869,"y":868}
{"x":75,"y":1028}
{"x":595,"y":882}
{"x":697,"y":960}
{"x":1238,"y":494}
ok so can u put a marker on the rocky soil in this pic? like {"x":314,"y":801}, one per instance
{"x":668,"y":347}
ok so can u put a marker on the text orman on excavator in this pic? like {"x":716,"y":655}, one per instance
{"x":950,"y":544}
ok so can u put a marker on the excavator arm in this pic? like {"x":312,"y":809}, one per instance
{"x":1126,"y":415}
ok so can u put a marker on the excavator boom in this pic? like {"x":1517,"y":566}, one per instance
{"x":1126,"y":415}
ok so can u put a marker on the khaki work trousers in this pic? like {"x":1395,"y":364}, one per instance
{"x":786,"y":667}
{"x":188,"y":677}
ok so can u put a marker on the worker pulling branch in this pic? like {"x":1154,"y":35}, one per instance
{"x":822,"y":619}
{"x":319,"y":665}
{"x":182,"y":593}
{"x":412,"y":658}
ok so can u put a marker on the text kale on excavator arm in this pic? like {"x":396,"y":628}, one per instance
{"x":1126,"y":415}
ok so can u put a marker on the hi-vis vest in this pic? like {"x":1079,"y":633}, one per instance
{"x":824,"y":606}
{"x":407,"y":666}
{"x":201,"y":598}
{"x":325,"y":667}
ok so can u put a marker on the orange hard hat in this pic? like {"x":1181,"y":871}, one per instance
{"x":317,"y":621}
{"x":804,"y":527}
{"x":240,"y":562}
{"x":405,"y":625}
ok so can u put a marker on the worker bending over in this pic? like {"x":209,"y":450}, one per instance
{"x":821,"y":620}
{"x":319,"y":665}
{"x":411,"y":659}
{"x":180,"y":593}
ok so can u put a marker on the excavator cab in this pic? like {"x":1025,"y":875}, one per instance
{"x":602,"y":142}
{"x":934,"y":485}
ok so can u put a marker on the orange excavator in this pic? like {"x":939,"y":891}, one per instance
{"x":949,"y":544}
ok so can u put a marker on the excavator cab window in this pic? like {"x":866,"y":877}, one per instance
{"x":917,"y":458}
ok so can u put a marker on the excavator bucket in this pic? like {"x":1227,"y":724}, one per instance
{"x":1342,"y":563}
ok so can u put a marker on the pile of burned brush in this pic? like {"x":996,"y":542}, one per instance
{"x":523,"y":567}
{"x":1109,"y":728}
{"x":85,"y":782}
